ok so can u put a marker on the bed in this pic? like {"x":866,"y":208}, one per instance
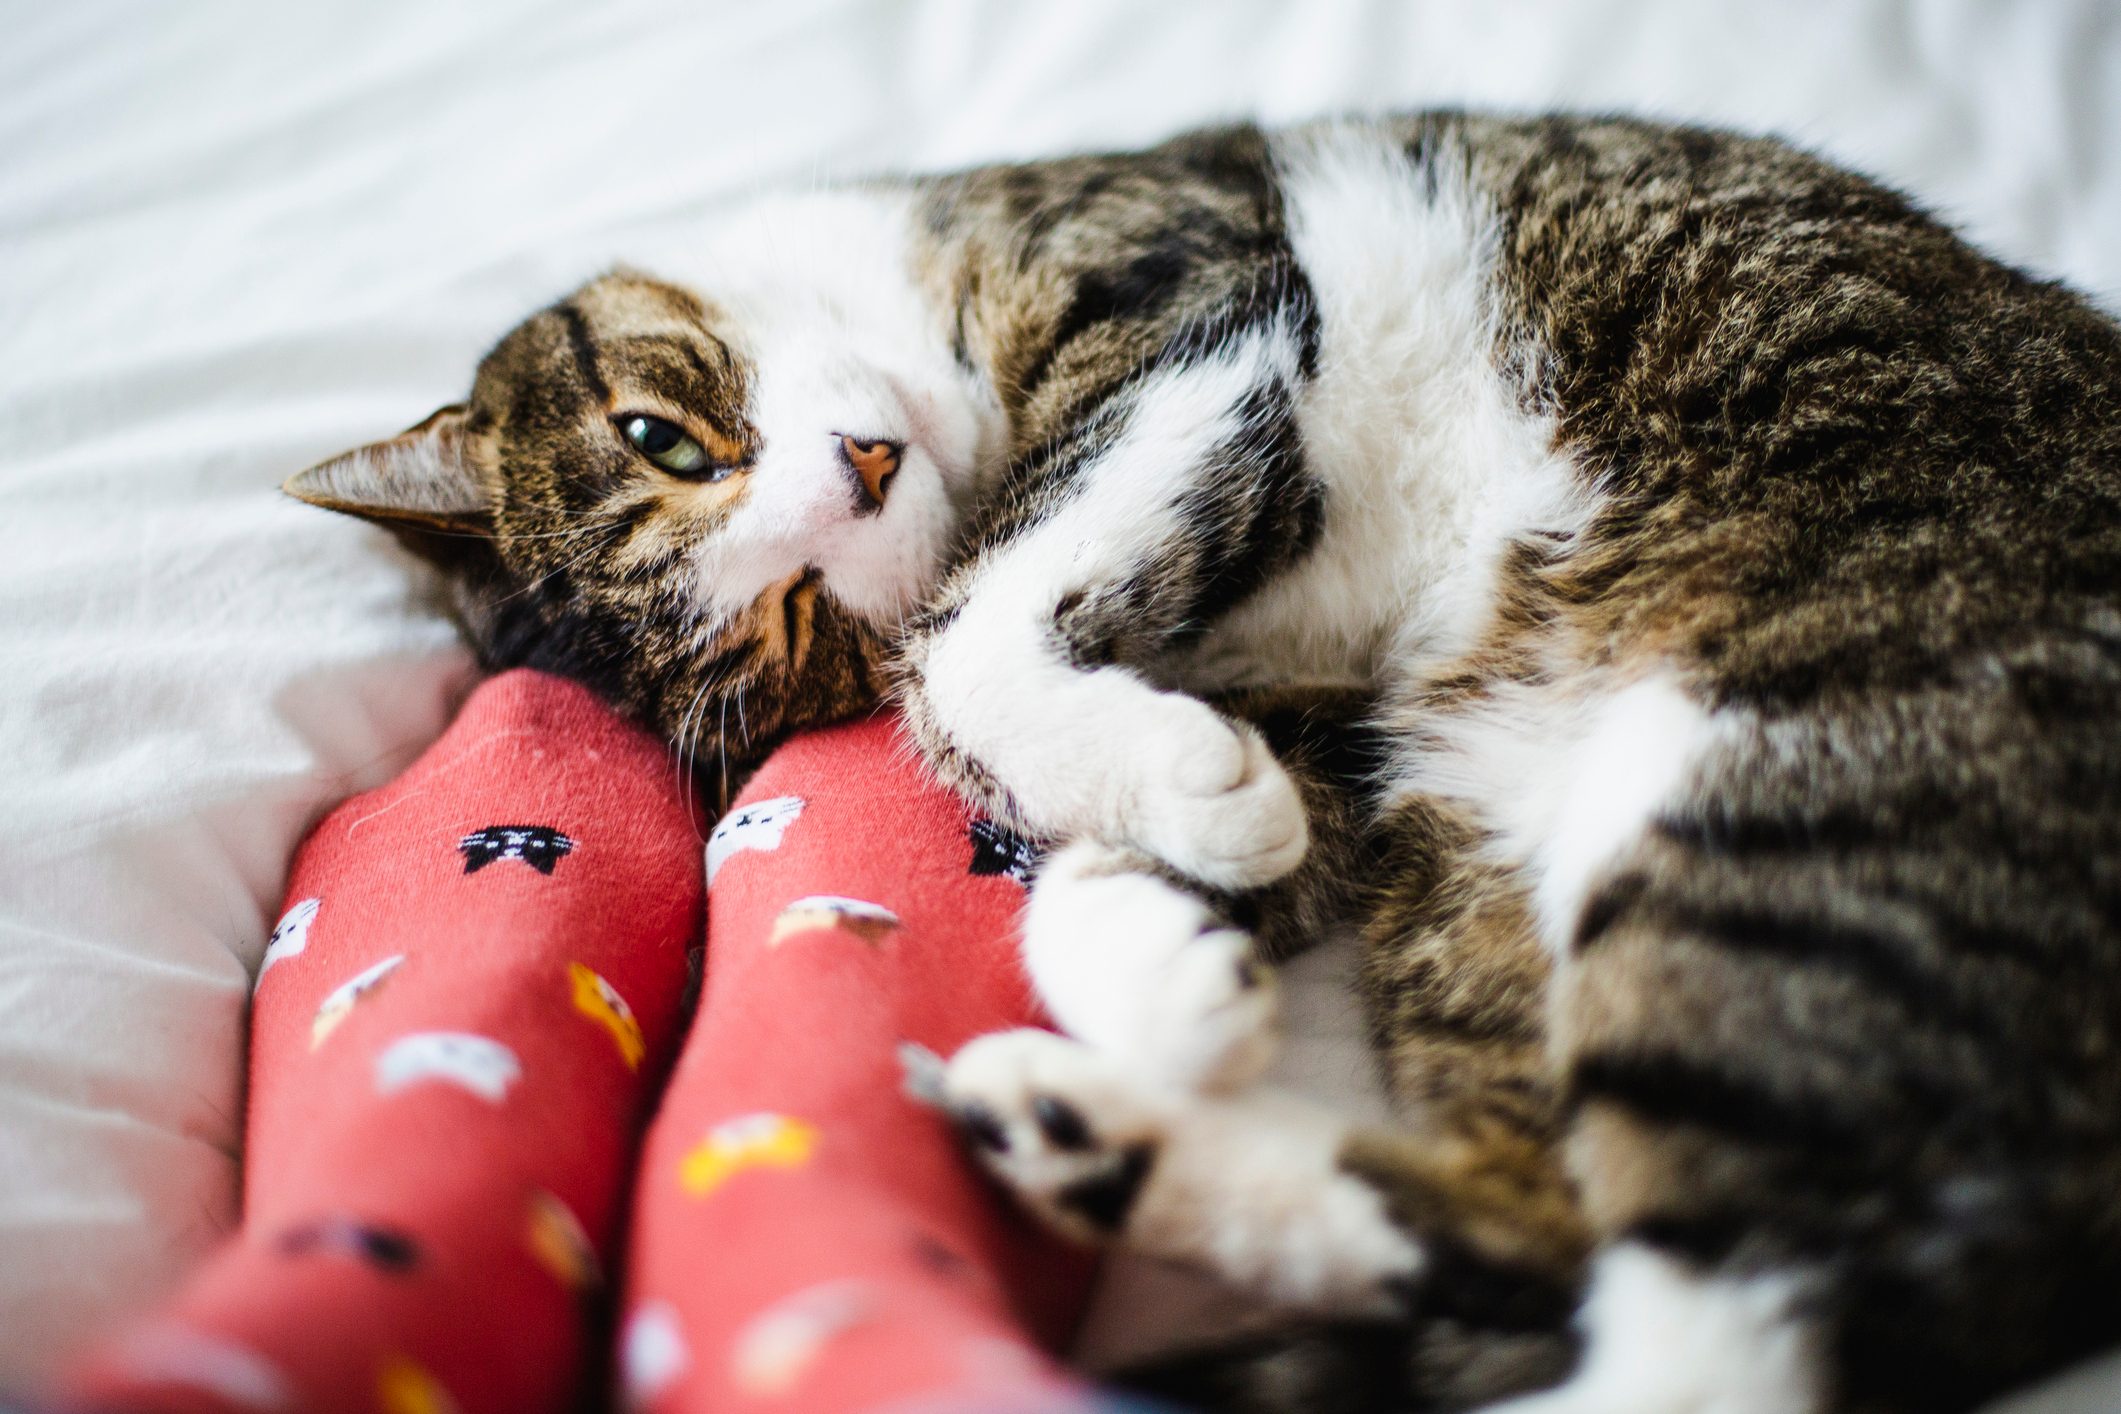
{"x":237,"y":237}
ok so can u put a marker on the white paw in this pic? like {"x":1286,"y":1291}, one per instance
{"x":1139,"y":967}
{"x":1207,"y":797}
{"x":1249,"y":1187}
{"x":1059,"y":1124}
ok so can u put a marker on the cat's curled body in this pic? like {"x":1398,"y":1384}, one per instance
{"x":1730,"y":560}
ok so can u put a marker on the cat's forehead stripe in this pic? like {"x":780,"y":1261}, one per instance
{"x":620,"y":307}
{"x":582,"y":344}
{"x":671,"y":370}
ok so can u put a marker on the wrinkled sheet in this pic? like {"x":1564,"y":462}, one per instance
{"x":237,"y":237}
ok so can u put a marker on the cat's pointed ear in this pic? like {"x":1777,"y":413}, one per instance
{"x":421,"y":479}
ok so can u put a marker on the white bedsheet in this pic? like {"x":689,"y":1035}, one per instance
{"x":236,"y":237}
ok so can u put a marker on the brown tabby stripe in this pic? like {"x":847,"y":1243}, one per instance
{"x":583,"y":346}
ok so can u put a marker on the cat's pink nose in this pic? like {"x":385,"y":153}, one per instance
{"x":874,"y":463}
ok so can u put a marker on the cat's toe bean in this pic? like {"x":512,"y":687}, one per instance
{"x":1058,"y":1122}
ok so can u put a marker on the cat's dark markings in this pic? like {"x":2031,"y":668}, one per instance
{"x":575,"y":565}
{"x":1851,"y":1010}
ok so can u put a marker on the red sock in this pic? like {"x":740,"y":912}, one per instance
{"x":460,"y":1023}
{"x":806,"y":1236}
{"x":455,"y":1035}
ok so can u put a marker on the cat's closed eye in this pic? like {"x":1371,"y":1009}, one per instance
{"x":671,"y":447}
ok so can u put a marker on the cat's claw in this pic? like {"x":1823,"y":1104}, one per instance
{"x":1208,"y":798}
{"x":1139,"y":967}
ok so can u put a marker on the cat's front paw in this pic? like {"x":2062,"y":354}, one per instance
{"x":1207,"y":797}
{"x":1136,"y":965}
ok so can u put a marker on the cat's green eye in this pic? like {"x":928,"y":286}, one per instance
{"x":667,"y":445}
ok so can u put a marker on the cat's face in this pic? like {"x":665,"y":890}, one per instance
{"x":715,"y":515}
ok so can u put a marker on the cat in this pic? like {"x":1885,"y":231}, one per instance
{"x":1665,"y":587}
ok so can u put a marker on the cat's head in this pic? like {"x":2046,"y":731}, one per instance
{"x":715,"y":516}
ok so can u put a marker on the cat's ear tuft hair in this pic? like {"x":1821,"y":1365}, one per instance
{"x":421,"y":479}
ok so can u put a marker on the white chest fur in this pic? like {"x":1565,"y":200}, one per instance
{"x":1434,"y":465}
{"x":1431,"y":461}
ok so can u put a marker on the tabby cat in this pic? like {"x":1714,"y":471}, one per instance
{"x":1724,"y":561}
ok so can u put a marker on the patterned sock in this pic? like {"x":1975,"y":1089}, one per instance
{"x":461,"y":1020}
{"x":806,"y":1236}
{"x":457,"y":1030}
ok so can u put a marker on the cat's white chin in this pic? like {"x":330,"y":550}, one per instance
{"x":805,"y":510}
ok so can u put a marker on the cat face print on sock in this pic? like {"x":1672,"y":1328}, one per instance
{"x":475,"y":1063}
{"x":290,"y":935}
{"x":871,"y":922}
{"x":540,"y":846}
{"x":757,"y":826}
{"x":997,"y":849}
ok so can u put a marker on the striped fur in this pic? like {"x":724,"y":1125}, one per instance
{"x":1724,"y":561}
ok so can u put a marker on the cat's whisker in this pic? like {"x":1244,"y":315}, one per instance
{"x":595,"y":547}
{"x":598,"y":519}
{"x":721,"y":739}
{"x":687,"y":746}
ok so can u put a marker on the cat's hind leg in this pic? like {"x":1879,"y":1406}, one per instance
{"x":1255,"y":1187}
{"x":1835,"y":1031}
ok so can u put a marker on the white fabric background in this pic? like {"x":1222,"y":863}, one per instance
{"x":237,"y":237}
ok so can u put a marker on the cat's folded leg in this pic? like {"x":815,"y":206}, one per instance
{"x":1064,"y":752}
{"x":1412,"y":1271}
{"x":1037,"y":681}
{"x":1256,"y":1187}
